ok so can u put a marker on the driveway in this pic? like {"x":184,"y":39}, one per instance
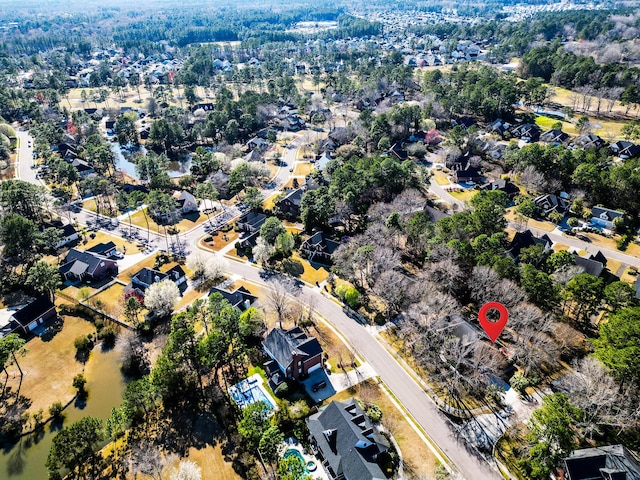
{"x":336,"y":382}
{"x":414,"y":399}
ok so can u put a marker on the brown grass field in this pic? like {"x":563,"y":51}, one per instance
{"x":49,"y":366}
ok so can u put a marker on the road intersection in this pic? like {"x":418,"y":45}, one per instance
{"x":446,"y":441}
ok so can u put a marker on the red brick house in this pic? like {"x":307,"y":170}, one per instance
{"x":296,"y":354}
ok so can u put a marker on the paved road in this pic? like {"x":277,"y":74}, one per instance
{"x":558,"y":237}
{"x":410,"y":395}
{"x":25,"y":158}
{"x":406,"y":390}
{"x":446,"y":196}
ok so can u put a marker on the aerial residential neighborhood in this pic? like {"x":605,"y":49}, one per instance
{"x":320,"y":242}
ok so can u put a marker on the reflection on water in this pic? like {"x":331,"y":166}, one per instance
{"x":26,"y":459}
{"x":125,"y":161}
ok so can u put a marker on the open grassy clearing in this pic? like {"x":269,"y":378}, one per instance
{"x":212,"y":462}
{"x":512,"y":216}
{"x":419,"y":461}
{"x":219,"y":240}
{"x":10,"y":170}
{"x":465,"y":195}
{"x":302,"y":269}
{"x":73,"y":100}
{"x":188,"y":221}
{"x":190,"y":296}
{"x":110,"y":300}
{"x":611,"y":243}
{"x":440,"y":178}
{"x":303,"y":169}
{"x":49,"y":366}
{"x":78,"y":292}
{"x":546,"y":123}
{"x":269,"y":202}
{"x":337,"y":351}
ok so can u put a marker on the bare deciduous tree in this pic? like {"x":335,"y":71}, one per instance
{"x":595,"y":392}
{"x":279,"y":297}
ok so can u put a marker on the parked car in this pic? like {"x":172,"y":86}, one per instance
{"x":318,"y":386}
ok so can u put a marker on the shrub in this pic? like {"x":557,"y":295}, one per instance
{"x":373,"y":412}
{"x":79,"y":382}
{"x":108,"y":336}
{"x":208,"y":238}
{"x":83,"y":344}
{"x":349,"y":295}
{"x":55,"y":410}
{"x":624,"y":242}
{"x":282,"y":390}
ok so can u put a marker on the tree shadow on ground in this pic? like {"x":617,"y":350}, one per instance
{"x":292,"y":267}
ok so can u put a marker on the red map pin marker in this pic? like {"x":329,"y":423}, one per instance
{"x":493,"y":329}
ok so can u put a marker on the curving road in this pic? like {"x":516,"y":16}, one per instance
{"x":401,"y":384}
{"x":403,"y":387}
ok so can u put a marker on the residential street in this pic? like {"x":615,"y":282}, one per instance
{"x":558,"y":237}
{"x":25,"y":158}
{"x":396,"y":378}
{"x":412,"y":397}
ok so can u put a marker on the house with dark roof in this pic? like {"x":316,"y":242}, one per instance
{"x":251,"y":221}
{"x":590,"y":141}
{"x":83,"y":168}
{"x":68,"y":232}
{"x":527,"y":132}
{"x":240,"y":299}
{"x":106,"y":249}
{"x":322,"y":161}
{"x":526,"y":239}
{"x":257,"y":143}
{"x":592,"y":265}
{"x":129,"y":188}
{"x":319,"y":247}
{"x":32,"y":315}
{"x":503,"y":185}
{"x":624,"y":149}
{"x":146,"y":277}
{"x":467,"y":174}
{"x":610,"y":462}
{"x":295,"y":354}
{"x":293,"y":123}
{"x":554,"y":136}
{"x":499,"y":126}
{"x":346,"y":443}
{"x":79,"y":265}
{"x":464,"y":123}
{"x":184,"y":202}
{"x":604,"y":217}
{"x":549,"y":203}
{"x":397,"y":150}
{"x":290,"y":203}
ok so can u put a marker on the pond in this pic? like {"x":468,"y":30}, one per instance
{"x":105,"y":384}
{"x":124,"y":161}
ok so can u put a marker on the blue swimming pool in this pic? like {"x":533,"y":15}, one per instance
{"x":295,"y":453}
{"x":250,"y":391}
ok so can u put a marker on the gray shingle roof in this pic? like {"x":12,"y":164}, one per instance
{"x":349,"y":443}
{"x":282,"y":344}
